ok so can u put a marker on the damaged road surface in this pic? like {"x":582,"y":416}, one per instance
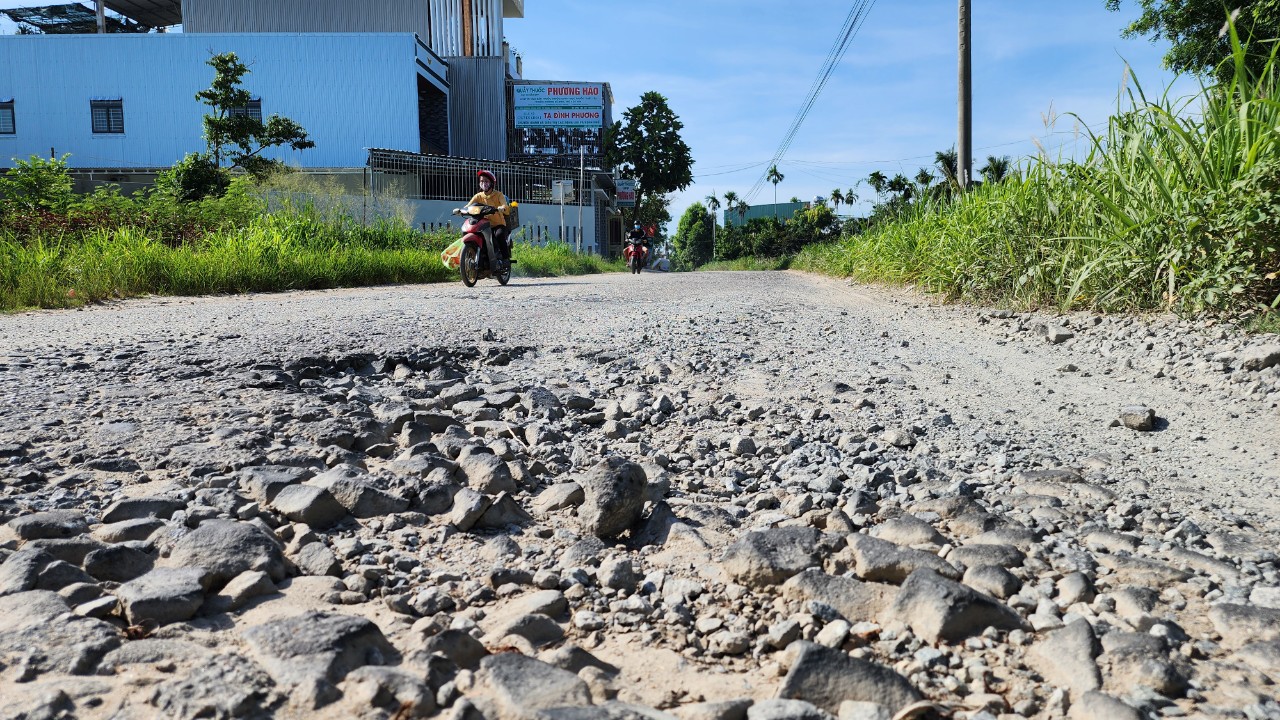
{"x":708,"y":496}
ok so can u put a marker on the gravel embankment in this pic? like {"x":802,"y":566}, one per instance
{"x":713,"y":496}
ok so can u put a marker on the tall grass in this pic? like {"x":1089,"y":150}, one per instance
{"x":1176,"y":206}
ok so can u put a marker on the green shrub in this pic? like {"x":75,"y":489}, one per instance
{"x":194,"y":177}
{"x":36,"y":185}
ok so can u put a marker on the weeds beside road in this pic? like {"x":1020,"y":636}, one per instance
{"x":71,"y":251}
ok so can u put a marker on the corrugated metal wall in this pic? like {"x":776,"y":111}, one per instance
{"x":350,"y":92}
{"x":478,"y":107}
{"x":438,"y":22}
{"x":237,"y":16}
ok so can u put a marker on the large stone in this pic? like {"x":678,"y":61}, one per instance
{"x":1005,"y":556}
{"x":468,"y":507}
{"x":510,"y":686}
{"x":457,"y":645}
{"x":1067,"y":658}
{"x":779,"y":709}
{"x":222,"y":686}
{"x":908,"y":530}
{"x":1263,"y":656}
{"x":1137,"y":417}
{"x":504,"y":511}
{"x":263,"y":483}
{"x":242,"y":588}
{"x":127,"y":530}
{"x":226,"y":548}
{"x":309,"y":504}
{"x":20,"y":571}
{"x":315,"y":558}
{"x":1242,"y":624}
{"x":614,"y":493}
{"x":349,"y":485}
{"x":937,"y":608}
{"x":140,"y":507}
{"x":771,"y":556}
{"x":397,"y":691}
{"x":537,"y":628}
{"x":486,"y":473}
{"x":882,"y":561}
{"x":854,"y":599}
{"x":1094,"y":705}
{"x":52,"y":524}
{"x":1260,"y":358}
{"x":827,"y":677}
{"x":164,"y":595}
{"x":558,"y":497}
{"x":35,"y":625}
{"x":311,"y":653}
{"x":118,"y":563}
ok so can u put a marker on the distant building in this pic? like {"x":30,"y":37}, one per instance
{"x":785,"y":211}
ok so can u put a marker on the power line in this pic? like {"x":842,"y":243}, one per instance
{"x":852,"y":23}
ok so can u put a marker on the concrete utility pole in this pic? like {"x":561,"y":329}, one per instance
{"x":964,"y":155}
{"x":102,"y":17}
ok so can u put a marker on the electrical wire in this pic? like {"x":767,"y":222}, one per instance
{"x":852,"y":23}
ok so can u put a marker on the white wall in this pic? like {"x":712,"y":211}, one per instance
{"x":534,"y":219}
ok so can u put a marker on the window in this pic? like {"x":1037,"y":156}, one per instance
{"x":7,"y":125}
{"x":108,"y":116}
{"x":253,"y":110}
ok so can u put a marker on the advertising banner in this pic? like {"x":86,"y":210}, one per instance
{"x":626,"y":193}
{"x":555,"y":117}
{"x":582,"y":95}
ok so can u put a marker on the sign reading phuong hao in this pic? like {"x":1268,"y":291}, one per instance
{"x":583,"y":95}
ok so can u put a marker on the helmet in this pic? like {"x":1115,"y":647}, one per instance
{"x":636,"y":226}
{"x":486,"y":174}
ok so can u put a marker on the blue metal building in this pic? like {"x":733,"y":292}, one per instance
{"x":128,"y":100}
{"x":426,"y":76}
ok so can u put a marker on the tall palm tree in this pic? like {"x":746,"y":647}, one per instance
{"x":742,"y":208}
{"x":774,"y":177}
{"x":851,"y":195}
{"x":879,"y":182}
{"x":948,"y":161}
{"x":997,"y":168}
{"x":730,"y":203}
{"x":837,"y":197}
{"x":713,"y":203}
{"x":924,"y":178}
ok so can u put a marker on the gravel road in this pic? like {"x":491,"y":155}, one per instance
{"x":770,"y":434}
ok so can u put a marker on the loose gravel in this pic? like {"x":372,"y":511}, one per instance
{"x":720,"y":495}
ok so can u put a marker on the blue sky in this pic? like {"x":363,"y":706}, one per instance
{"x":737,"y":71}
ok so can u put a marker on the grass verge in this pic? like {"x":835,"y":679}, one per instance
{"x":271,"y":253}
{"x":748,"y":263}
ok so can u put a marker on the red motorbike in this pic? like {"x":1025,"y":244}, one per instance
{"x":481,"y":257}
{"x":635,"y":254}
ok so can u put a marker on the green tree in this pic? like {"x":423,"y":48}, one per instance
{"x":837,"y":198}
{"x":878,"y":182}
{"x":232,"y":134}
{"x":1195,"y":30}
{"x":713,"y":205}
{"x":691,"y":246}
{"x":646,"y":145}
{"x":996,"y":169}
{"x":730,"y":204}
{"x":774,"y":177}
{"x":37,"y":184}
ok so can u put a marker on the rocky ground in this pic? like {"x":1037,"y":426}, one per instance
{"x":713,"y":496}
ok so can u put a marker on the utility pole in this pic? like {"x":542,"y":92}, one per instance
{"x":964,"y":155}
{"x":582,"y":185}
{"x":102,"y":17}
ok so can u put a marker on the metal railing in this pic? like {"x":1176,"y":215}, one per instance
{"x":435,"y":177}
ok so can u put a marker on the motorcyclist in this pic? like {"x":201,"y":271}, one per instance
{"x":639,"y":240}
{"x":489,"y":195}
